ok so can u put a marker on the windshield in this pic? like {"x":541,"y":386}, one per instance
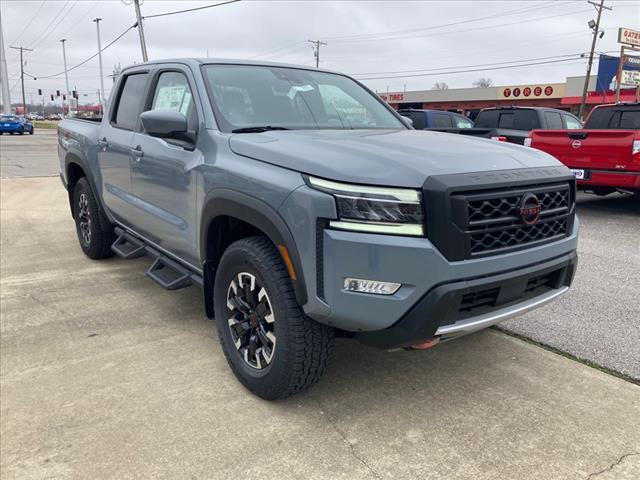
{"x":245,"y":96}
{"x":9,"y":118}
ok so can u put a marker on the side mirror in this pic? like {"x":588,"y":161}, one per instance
{"x":167,"y":124}
{"x":407,"y":120}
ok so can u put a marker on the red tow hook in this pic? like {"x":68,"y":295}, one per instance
{"x":426,"y":344}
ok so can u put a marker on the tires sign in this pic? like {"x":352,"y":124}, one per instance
{"x":531,"y":91}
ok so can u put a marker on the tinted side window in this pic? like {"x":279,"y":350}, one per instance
{"x":441,"y":120}
{"x":173,"y":93}
{"x":487,"y":119}
{"x":506,"y":120}
{"x":554,"y":121}
{"x":418,"y":118}
{"x":572,"y":122}
{"x":600,"y":118}
{"x":630,"y":120}
{"x":128,"y":108}
{"x":526,"y":120}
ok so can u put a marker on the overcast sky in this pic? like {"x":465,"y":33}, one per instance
{"x":365,"y":38}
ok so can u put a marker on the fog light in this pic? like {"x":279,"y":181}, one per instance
{"x":370,"y":286}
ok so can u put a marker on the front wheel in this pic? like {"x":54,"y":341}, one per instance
{"x":95,"y":234}
{"x":272,"y":347}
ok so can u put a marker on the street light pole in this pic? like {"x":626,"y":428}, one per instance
{"x":596,"y":30}
{"x":4,"y":75}
{"x":66,"y":78}
{"x":97,"y":20}
{"x":143,"y":45}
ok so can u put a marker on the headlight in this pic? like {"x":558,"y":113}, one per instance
{"x":361,"y":208}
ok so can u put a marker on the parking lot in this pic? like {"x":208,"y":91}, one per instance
{"x":105,"y":375}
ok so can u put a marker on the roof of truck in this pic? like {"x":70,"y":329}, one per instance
{"x":229,"y":61}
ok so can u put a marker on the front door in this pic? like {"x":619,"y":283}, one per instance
{"x":114,"y":148}
{"x":163,"y":176}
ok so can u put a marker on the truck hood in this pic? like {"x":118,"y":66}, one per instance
{"x":384,"y":157}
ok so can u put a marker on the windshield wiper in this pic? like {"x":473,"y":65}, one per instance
{"x":265,"y":128}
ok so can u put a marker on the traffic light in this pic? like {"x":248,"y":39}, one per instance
{"x":75,"y":94}
{"x":64,"y":97}
{"x":52,"y":97}
{"x":57,"y":93}
{"x":40,"y":91}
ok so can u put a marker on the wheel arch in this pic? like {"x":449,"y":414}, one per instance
{"x":228,"y":204}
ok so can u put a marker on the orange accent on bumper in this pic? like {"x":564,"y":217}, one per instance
{"x":287,"y":261}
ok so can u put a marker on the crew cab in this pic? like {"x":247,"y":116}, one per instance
{"x":437,"y":120}
{"x":605,"y":155}
{"x":306,"y":208}
{"x":513,"y":124}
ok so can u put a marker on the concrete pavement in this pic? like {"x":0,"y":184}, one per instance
{"x":105,"y":375}
{"x":29,"y":155}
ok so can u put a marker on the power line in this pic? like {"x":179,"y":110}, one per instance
{"x":189,"y":9}
{"x":472,"y":70}
{"x":29,"y":22}
{"x":577,"y":55}
{"x":485,"y":27}
{"x":432,"y":27}
{"x":92,"y":56}
{"x":45,"y":31}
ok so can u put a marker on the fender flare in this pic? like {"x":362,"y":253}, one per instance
{"x":225,"y":202}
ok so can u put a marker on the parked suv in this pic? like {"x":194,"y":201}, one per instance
{"x":307,"y":209}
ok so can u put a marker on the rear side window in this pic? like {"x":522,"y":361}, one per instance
{"x":526,"y":120}
{"x":554,"y":121}
{"x":600,"y":118}
{"x":506,"y":120}
{"x":487,"y":119}
{"x":418,"y":119}
{"x":441,"y":120}
{"x":630,"y":120}
{"x":572,"y":122}
{"x":128,"y":108}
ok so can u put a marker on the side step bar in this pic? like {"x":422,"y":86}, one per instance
{"x":166,"y":272}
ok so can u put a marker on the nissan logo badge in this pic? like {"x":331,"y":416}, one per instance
{"x":530,"y":209}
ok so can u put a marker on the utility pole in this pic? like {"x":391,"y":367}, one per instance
{"x":66,"y":78}
{"x":316,"y":50}
{"x":143,"y":45}
{"x":24,"y":101}
{"x":97,"y":20}
{"x":4,"y":75}
{"x":595,"y":26}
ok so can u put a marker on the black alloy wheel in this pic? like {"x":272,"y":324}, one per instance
{"x":251,"y":320}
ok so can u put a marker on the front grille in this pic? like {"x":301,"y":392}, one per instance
{"x":491,"y":221}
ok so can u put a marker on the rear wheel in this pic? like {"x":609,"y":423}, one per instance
{"x":272,"y":347}
{"x":94,"y":233}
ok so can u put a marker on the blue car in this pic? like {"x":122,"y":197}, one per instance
{"x":14,"y":124}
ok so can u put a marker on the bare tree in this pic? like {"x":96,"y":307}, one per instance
{"x":483,"y":83}
{"x":440,"y":86}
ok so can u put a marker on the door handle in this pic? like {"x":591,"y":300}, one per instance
{"x":137,"y":153}
{"x":103,"y":144}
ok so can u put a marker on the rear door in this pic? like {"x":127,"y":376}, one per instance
{"x":114,"y":143}
{"x":163,"y":174}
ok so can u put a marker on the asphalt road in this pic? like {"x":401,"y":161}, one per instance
{"x":105,"y":375}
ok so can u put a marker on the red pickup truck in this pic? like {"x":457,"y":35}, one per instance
{"x":605,"y":155}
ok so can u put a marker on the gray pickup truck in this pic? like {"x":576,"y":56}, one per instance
{"x":306,"y":208}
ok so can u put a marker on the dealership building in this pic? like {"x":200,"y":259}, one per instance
{"x":469,"y":101}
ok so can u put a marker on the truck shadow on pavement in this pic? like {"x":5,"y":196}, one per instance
{"x":614,"y":203}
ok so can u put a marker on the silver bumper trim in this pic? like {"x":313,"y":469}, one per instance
{"x":473,"y":324}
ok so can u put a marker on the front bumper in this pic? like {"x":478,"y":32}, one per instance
{"x":459,"y":308}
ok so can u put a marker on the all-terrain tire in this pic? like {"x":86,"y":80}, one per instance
{"x":94,"y":232}
{"x":303,"y":346}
